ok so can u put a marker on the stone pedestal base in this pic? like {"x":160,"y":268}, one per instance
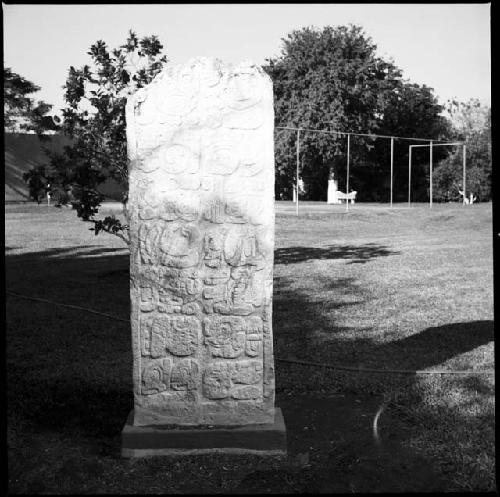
{"x":157,"y":440}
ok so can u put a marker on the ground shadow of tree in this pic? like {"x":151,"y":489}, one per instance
{"x":436,"y":345}
{"x":74,"y":379}
{"x":76,"y":373}
{"x":358,"y":254}
{"x":299,"y":316}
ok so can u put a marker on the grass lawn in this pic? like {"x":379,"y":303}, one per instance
{"x":376,"y":288}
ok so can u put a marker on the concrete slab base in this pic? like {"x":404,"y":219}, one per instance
{"x":157,"y":440}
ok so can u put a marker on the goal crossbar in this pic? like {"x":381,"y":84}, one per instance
{"x":345,"y":133}
{"x":438,"y":144}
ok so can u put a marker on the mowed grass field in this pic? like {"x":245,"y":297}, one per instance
{"x":400,"y":289}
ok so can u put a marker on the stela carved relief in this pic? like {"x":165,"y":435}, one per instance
{"x":201,"y":214}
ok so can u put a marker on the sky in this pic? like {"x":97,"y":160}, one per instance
{"x":445,"y":46}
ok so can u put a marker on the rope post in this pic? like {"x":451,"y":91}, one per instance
{"x":430,"y":175}
{"x":347,"y":182}
{"x":297,"y":179}
{"x":463,"y":179}
{"x":409,"y":176}
{"x":392,"y":166}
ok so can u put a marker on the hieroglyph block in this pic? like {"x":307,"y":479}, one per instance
{"x":201,"y":214}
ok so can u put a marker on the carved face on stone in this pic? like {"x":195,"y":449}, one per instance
{"x":241,"y":92}
{"x":219,"y":155}
{"x":180,"y":240}
{"x":179,"y":158}
{"x":217,"y":381}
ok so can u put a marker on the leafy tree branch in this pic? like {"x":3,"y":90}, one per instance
{"x":94,"y":119}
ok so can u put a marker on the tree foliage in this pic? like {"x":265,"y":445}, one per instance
{"x":412,"y":111}
{"x":471,"y":124}
{"x":21,"y":111}
{"x":94,"y":119}
{"x":333,"y":79}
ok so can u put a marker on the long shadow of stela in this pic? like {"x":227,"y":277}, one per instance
{"x":70,"y":372}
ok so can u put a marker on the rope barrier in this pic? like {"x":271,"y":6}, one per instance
{"x":290,"y":361}
{"x":382,"y":371}
{"x":36,"y":299}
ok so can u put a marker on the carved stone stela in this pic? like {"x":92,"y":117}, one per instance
{"x":201,"y":213}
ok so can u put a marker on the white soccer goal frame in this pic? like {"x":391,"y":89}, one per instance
{"x":431,"y":145}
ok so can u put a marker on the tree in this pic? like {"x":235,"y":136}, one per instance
{"x":332,"y":79}
{"x":328,"y":79}
{"x":94,"y":119}
{"x":471,"y":122}
{"x":412,"y":110}
{"x":21,"y":112}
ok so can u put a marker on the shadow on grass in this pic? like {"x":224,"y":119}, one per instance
{"x":434,"y":346}
{"x":443,"y":411}
{"x":305,"y":328}
{"x":69,"y":373}
{"x":358,"y":254}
